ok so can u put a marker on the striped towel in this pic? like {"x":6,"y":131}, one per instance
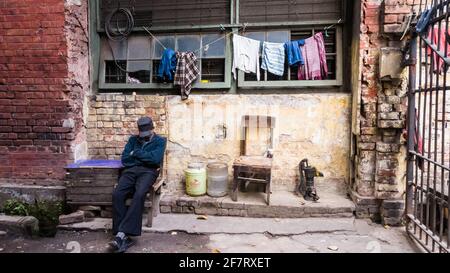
{"x":273,"y":58}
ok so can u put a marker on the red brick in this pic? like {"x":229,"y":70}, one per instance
{"x":61,"y":130}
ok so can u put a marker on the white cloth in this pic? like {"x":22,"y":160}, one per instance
{"x":245,"y":55}
{"x":273,"y":58}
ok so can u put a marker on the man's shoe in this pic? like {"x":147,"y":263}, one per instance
{"x":115,"y":244}
{"x":124,"y":245}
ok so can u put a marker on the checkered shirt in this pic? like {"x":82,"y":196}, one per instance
{"x":186,"y":72}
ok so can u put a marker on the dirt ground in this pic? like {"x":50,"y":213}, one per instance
{"x":180,"y":242}
{"x":97,"y":242}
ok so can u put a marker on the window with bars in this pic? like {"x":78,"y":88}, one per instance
{"x":290,"y":76}
{"x":136,"y":61}
{"x":187,"y":25}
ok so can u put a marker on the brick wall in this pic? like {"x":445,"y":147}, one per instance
{"x":380,"y":157}
{"x":112,"y":119}
{"x":38,"y":116}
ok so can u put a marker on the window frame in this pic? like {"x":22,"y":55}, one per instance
{"x":232,"y":26}
{"x":338,"y":82}
{"x":226,"y":84}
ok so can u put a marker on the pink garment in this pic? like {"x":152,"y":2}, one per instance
{"x":322,"y":53}
{"x":303,"y":68}
{"x":315,"y":67}
{"x":436,"y":38}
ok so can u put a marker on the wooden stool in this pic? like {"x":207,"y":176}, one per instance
{"x":255,"y":169}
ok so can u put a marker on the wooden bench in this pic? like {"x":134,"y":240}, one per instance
{"x":92,"y":182}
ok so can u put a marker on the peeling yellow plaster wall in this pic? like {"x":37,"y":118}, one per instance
{"x":313,"y":126}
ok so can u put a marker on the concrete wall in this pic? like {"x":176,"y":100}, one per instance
{"x":313,"y":126}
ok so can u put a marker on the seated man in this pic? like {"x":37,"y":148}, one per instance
{"x":141,"y":158}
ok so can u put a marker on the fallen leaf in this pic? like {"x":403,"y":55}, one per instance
{"x":215,"y":250}
{"x":202,"y":217}
{"x":302,"y":203}
{"x":173,"y":233}
{"x":333,"y":248}
{"x":387,"y":227}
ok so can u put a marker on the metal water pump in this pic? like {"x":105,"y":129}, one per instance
{"x":306,"y":186}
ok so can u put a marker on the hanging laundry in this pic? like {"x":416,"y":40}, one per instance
{"x":186,"y":72}
{"x":273,"y":58}
{"x":439,"y":39}
{"x":418,"y":140}
{"x":315,"y":59}
{"x":245,"y":55}
{"x":424,"y":20}
{"x":167,"y":66}
{"x":293,"y":52}
{"x":303,"y":68}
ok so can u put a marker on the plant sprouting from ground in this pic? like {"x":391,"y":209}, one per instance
{"x":16,"y":207}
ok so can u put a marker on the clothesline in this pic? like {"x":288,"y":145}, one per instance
{"x":308,"y":53}
{"x":223,"y":37}
{"x":202,"y":47}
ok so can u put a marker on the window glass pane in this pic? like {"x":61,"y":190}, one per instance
{"x":119,"y":50}
{"x":139,"y":48}
{"x":216,"y":49}
{"x":260,"y":36}
{"x":167,"y":41}
{"x":139,"y":72}
{"x":189,"y":43}
{"x":278,"y":36}
{"x":138,"y":65}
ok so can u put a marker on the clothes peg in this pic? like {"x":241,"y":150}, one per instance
{"x":222,"y":28}
{"x":245,"y":26}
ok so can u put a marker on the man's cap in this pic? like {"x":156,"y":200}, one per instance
{"x":145,"y":124}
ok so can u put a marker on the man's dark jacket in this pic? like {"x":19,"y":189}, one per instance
{"x":139,"y":153}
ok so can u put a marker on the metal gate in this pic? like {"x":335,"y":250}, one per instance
{"x":428,"y":170}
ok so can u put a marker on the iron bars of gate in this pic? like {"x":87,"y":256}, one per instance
{"x":428,"y":170}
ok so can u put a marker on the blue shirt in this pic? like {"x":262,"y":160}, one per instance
{"x":168,"y":65}
{"x":293,"y":52}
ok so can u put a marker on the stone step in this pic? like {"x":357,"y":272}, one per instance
{"x":284,"y":204}
{"x":20,"y":225}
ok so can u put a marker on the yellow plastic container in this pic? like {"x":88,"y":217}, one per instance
{"x":195,"y":176}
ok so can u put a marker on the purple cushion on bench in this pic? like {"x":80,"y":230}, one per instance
{"x":95,"y":163}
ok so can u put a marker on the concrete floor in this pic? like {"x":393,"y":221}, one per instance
{"x":185,"y":233}
{"x":333,"y":202}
